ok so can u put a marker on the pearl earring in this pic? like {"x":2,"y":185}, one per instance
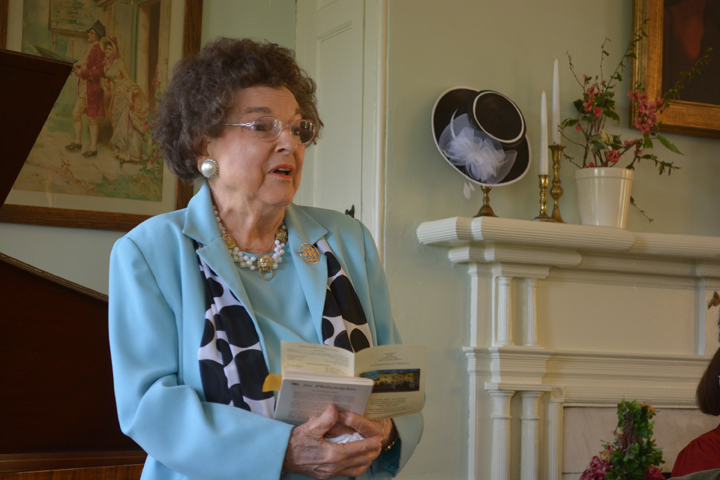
{"x":209,"y":168}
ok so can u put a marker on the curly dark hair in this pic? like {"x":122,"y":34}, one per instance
{"x":203,"y":89}
{"x":708,"y":389}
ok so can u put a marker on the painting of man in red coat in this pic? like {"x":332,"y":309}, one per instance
{"x":89,"y":70}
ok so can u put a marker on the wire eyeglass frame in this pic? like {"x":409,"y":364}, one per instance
{"x":277,"y":127}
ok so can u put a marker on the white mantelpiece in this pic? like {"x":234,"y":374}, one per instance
{"x":588,"y":315}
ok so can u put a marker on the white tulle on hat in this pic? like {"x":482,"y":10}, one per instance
{"x":482,"y":157}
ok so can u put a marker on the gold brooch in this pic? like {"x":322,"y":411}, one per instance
{"x":309,"y":253}
{"x":229,"y":241}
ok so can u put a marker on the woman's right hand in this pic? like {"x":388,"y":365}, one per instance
{"x":310,"y":454}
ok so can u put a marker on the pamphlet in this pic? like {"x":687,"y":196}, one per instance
{"x":378,"y":382}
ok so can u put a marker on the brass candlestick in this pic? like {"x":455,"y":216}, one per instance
{"x":543,"y":217}
{"x":556,"y":191}
{"x":486,"y":210}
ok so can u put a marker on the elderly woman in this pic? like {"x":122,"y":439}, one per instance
{"x":201,"y":298}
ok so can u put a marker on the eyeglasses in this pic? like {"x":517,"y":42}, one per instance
{"x":269,"y":128}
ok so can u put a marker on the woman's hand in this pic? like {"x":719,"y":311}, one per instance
{"x":308,"y":452}
{"x":385,"y":429}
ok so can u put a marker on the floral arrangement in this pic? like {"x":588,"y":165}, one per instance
{"x":602,"y":149}
{"x":633,"y":455}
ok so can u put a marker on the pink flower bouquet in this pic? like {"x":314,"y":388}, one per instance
{"x":603,"y":149}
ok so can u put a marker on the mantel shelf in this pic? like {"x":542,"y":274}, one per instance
{"x":464,"y":231}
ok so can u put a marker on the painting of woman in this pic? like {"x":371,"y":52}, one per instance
{"x":128,"y":107}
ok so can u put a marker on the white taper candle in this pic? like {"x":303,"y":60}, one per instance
{"x":543,"y":136}
{"x":556,"y":104}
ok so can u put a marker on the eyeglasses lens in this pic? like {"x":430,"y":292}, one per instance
{"x":303,"y":131}
{"x":269,"y":128}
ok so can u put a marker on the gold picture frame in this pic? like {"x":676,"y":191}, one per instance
{"x":92,"y":218}
{"x":689,"y":118}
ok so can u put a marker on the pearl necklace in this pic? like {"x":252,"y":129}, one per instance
{"x":266,"y":264}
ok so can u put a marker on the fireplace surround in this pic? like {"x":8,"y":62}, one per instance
{"x":568,"y":316}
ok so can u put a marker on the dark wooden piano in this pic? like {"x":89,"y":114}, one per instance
{"x":57,"y":406}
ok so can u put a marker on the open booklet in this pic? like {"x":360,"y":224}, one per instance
{"x":378,"y":382}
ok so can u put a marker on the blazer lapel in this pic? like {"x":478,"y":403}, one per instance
{"x":200,"y":225}
{"x":313,"y":277}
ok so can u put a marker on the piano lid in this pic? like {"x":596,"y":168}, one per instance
{"x":29,"y":86}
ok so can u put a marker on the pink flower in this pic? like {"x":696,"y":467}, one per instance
{"x":578,"y":127}
{"x":653,"y":473}
{"x":597,"y":470}
{"x":613,"y":156}
{"x":591,"y":165}
{"x":643,"y":125}
{"x":647,"y":110}
{"x":589,"y":104}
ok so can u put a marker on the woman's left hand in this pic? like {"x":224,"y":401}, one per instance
{"x":384,"y":429}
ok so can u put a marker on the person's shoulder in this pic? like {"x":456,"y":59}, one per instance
{"x":157,"y":230}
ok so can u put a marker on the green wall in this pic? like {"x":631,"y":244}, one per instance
{"x":272,"y":20}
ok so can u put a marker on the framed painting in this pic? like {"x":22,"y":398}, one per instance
{"x":95,"y":163}
{"x":679,"y":32}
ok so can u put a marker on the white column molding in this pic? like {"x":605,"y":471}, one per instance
{"x":503,"y":298}
{"x":530,"y":441}
{"x":479,"y":299}
{"x":502,"y":333}
{"x":554,"y":435}
{"x":501,"y":441}
{"x":512,"y":369}
{"x":529,"y":334}
{"x":475,"y":466}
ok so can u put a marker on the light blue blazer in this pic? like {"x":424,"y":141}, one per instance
{"x":157,"y":310}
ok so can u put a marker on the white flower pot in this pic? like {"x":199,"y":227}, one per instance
{"x":603,"y":195}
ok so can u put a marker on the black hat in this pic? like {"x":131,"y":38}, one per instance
{"x":494,"y":116}
{"x":98,"y":28}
